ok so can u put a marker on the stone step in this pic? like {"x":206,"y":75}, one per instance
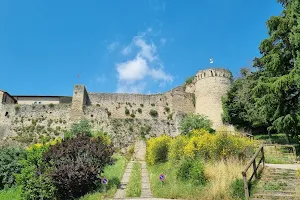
{"x":273,"y":196}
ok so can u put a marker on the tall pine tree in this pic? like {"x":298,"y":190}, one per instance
{"x":278,"y":89}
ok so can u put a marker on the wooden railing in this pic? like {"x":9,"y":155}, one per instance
{"x":255,"y":167}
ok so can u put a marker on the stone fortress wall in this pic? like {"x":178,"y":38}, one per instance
{"x":107,"y":111}
{"x":209,"y":86}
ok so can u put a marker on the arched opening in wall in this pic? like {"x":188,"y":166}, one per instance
{"x":204,"y":75}
{"x":201,"y":75}
{"x":211,"y":73}
{"x":216,"y":74}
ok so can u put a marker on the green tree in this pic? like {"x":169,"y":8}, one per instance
{"x":278,"y":88}
{"x":239,"y":104}
{"x":195,"y":121}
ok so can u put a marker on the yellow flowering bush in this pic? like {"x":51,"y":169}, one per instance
{"x":176,"y":149}
{"x":218,"y":146}
{"x":39,"y":145}
{"x":157,"y":149}
{"x":201,"y":143}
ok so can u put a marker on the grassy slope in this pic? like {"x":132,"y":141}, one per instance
{"x":171,"y":187}
{"x":220,"y":176}
{"x":114,"y":174}
{"x":134,"y":187}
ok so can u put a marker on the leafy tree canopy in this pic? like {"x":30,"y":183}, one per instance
{"x":269,"y":97}
{"x":195,"y":121}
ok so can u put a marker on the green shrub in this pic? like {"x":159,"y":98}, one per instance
{"x":108,"y":113}
{"x":195,"y":121}
{"x":130,"y":128}
{"x":83,"y":127}
{"x":145,"y":130}
{"x":34,"y":178}
{"x":157,"y":149}
{"x":105,"y":138}
{"x":17,"y":107}
{"x":184,"y":170}
{"x":127,"y":112}
{"x":10,"y":165}
{"x":142,"y":105}
{"x":153,"y":113}
{"x":76,"y":164}
{"x":192,"y":170}
{"x":170,"y":116}
{"x":189,"y":80}
{"x":152,"y":104}
{"x":237,"y":190}
{"x":167,"y":109}
{"x":51,"y":105}
{"x":139,"y":110}
{"x":132,"y":115}
{"x":197,"y":172}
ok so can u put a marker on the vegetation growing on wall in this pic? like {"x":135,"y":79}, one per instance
{"x":189,"y":80}
{"x":153,"y":113}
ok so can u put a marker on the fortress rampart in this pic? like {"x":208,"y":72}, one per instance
{"x":124,"y":116}
{"x":209,"y":86}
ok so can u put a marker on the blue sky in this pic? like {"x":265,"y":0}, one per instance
{"x":139,"y":46}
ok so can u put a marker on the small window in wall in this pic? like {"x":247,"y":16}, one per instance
{"x":40,"y":102}
{"x":211,"y":73}
{"x":204,"y":75}
{"x":6,"y":113}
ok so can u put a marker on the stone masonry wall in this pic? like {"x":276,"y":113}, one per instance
{"x":30,"y":123}
{"x":209,"y":86}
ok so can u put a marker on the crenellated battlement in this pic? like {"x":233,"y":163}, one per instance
{"x":213,"y":72}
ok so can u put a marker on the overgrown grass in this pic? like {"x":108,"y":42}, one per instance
{"x":114,"y":174}
{"x":11,"y":194}
{"x":220,"y":177}
{"x":278,"y":155}
{"x":134,"y":186}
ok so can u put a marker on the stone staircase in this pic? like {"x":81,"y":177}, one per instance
{"x":275,"y":184}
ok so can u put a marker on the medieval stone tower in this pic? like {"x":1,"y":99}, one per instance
{"x":209,"y":86}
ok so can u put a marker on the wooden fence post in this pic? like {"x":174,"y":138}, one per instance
{"x":263,"y":156}
{"x":247,"y":194}
{"x":254,"y":169}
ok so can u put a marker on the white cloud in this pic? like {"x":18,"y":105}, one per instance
{"x":159,"y":74}
{"x":126,"y":50}
{"x":147,"y":51}
{"x":163,"y":41}
{"x":134,"y":73}
{"x":112,"y":46}
{"x":132,"y":70}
